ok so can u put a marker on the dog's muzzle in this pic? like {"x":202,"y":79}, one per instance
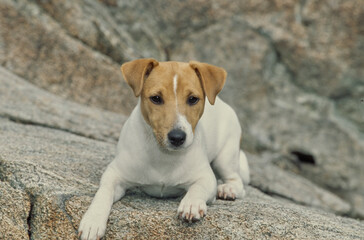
{"x":177,"y":137}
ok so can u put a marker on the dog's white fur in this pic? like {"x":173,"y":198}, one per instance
{"x":211,"y":149}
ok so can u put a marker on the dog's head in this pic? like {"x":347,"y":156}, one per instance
{"x":173,"y":95}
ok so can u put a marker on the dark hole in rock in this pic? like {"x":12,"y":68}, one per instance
{"x":304,"y":157}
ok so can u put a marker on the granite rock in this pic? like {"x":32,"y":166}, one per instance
{"x":37,"y":48}
{"x":276,"y":182}
{"x":62,"y":183}
{"x":14,"y":212}
{"x":57,"y":172}
{"x":23,"y":102}
{"x":295,"y":79}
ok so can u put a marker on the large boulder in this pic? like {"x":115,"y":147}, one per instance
{"x":295,"y":78}
{"x":36,"y":47}
{"x":296,"y":82}
{"x":49,"y":175}
{"x":276,"y":182}
{"x":60,"y":173}
{"x":22,"y":102}
{"x":295,"y":68}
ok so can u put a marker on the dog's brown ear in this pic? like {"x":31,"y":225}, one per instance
{"x":212,"y":78}
{"x":135,"y":72}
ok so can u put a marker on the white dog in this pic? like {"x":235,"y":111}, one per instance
{"x":174,"y":142}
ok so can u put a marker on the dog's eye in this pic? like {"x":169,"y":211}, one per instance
{"x":156,"y":100}
{"x":192,"y":100}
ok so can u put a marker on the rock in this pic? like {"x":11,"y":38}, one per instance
{"x":278,"y":183}
{"x":40,"y":108}
{"x":49,"y":220}
{"x":62,"y":184}
{"x":50,"y":160}
{"x":295,"y":80}
{"x":49,"y":164}
{"x":60,"y":171}
{"x":254,"y":217}
{"x":22,"y":102}
{"x":35,"y":47}
{"x":92,"y":23}
{"x":14,"y":211}
{"x":277,"y":65}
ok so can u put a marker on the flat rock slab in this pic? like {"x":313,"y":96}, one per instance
{"x":257,"y":216}
{"x":60,"y":172}
{"x":21,"y":101}
{"x":295,"y":83}
{"x":25,"y":103}
{"x":42,"y":160}
{"x":279,"y":183}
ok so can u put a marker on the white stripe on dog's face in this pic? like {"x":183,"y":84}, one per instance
{"x":181,"y":121}
{"x":174,"y":83}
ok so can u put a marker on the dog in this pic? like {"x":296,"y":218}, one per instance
{"x":175,"y":142}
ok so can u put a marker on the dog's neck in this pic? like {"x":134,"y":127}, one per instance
{"x":146,"y":129}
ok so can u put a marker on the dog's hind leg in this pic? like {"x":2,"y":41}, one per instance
{"x":244,"y":168}
{"x":230,"y":173}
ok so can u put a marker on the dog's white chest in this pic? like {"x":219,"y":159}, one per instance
{"x":161,"y":191}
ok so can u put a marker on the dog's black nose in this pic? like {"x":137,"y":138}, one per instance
{"x":177,"y":137}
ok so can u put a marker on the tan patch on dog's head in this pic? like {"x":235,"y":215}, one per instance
{"x":163,"y":117}
{"x":169,"y":91}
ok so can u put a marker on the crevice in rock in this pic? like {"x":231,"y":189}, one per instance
{"x":29,"y":122}
{"x":304,"y":157}
{"x":29,"y":218}
{"x":62,"y":204}
{"x":279,"y":58}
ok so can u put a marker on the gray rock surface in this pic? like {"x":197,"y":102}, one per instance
{"x":295,"y":78}
{"x":49,"y":176}
{"x":14,"y":211}
{"x":276,"y":112}
{"x":22,"y":102}
{"x":295,"y":67}
{"x":255,"y":217}
{"x":278,"y":183}
{"x":40,"y":108}
{"x":36,"y":47}
{"x":60,"y":172}
{"x":49,"y":165}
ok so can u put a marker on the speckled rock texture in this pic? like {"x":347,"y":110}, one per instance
{"x":48,"y":177}
{"x":295,"y":78}
{"x":295,"y":68}
{"x":279,"y":183}
{"x":14,"y":212}
{"x":22,"y":102}
{"x":257,"y":216}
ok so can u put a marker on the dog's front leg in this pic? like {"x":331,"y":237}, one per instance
{"x":93,"y":223}
{"x":193,"y":205}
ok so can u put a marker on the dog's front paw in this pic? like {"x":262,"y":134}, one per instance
{"x":92,"y":226}
{"x":192,"y":209}
{"x":228,"y":191}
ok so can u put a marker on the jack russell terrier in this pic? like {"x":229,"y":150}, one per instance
{"x":174,"y":142}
